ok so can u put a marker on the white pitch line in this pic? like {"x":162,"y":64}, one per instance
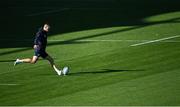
{"x":47,"y":12}
{"x":9,"y":84}
{"x":157,"y":40}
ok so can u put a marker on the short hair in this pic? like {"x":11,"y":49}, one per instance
{"x":47,"y":25}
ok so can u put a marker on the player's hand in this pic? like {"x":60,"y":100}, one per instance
{"x":36,"y":47}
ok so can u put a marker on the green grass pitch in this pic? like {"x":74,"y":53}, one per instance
{"x":120,"y":53}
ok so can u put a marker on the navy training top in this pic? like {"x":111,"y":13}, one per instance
{"x":41,"y":39}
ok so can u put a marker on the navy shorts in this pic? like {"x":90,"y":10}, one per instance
{"x":40,"y":53}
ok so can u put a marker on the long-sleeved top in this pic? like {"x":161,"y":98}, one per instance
{"x":41,"y":39}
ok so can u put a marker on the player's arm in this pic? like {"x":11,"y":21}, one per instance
{"x":37,"y":41}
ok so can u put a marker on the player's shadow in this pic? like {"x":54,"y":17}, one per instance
{"x":104,"y":71}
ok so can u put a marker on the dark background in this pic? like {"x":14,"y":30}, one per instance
{"x":74,"y":15}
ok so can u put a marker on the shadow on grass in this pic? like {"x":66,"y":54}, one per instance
{"x":103,"y":71}
{"x":80,"y":15}
{"x":8,"y":60}
{"x":14,"y":51}
{"x":76,"y":40}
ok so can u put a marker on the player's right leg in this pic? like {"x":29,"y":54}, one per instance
{"x":29,"y":60}
{"x":26,"y":60}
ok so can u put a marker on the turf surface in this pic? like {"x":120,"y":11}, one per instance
{"x":96,"y":40}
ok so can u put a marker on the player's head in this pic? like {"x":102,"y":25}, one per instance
{"x":46,"y":27}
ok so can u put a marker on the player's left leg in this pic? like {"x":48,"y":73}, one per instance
{"x":64,"y":71}
{"x":51,"y":61}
